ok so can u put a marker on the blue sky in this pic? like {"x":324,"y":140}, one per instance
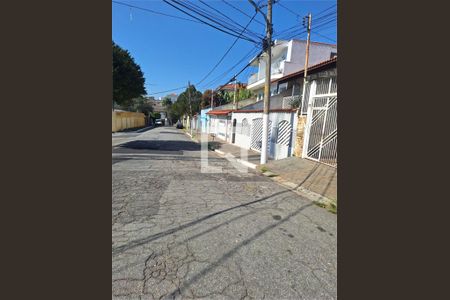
{"x":172,"y":51}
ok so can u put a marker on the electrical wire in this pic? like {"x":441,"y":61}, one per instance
{"x":166,"y":91}
{"x":154,"y":12}
{"x":225,"y":54}
{"x":218,"y":19}
{"x":247,"y":56}
{"x":323,"y":36}
{"x":235,"y":34}
{"x":244,"y":13}
{"x":227,"y":17}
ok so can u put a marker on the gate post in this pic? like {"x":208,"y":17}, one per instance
{"x":312,"y":93}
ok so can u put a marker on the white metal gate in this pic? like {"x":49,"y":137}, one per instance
{"x":256,"y":134}
{"x":320,"y":142}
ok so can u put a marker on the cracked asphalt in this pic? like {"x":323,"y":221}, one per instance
{"x":178,"y":233}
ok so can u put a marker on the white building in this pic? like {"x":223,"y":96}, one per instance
{"x":287,"y":57}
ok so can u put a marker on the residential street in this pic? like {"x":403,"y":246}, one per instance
{"x":178,"y":233}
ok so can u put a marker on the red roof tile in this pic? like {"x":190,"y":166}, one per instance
{"x":220,"y":112}
{"x":260,"y":110}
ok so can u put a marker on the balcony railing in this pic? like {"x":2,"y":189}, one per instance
{"x":253,"y":78}
{"x":277,"y":68}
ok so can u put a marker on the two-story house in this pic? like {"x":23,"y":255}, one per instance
{"x":287,"y":57}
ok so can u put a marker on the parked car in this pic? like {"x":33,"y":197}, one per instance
{"x":179,"y":125}
{"x":158,"y":122}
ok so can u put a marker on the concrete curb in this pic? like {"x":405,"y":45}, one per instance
{"x":241,"y":161}
{"x":315,"y":197}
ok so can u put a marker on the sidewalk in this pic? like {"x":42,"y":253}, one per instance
{"x":313,"y":180}
{"x":223,"y":148}
{"x":317,"y":180}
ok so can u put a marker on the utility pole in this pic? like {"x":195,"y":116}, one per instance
{"x":212,"y":99}
{"x":235,"y":103}
{"x":267,"y":45}
{"x":307,"y":24}
{"x":190,"y":106}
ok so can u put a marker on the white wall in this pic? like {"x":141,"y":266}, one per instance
{"x":317,"y":53}
{"x":220,"y":126}
{"x":276,"y":151}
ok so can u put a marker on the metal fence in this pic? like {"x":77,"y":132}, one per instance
{"x":320,"y":142}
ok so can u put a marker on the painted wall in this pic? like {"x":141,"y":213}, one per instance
{"x":276,"y":150}
{"x":292,"y":59}
{"x":204,"y":119}
{"x":124,"y":120}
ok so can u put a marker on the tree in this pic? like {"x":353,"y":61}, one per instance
{"x":183,"y":103}
{"x":142,"y":105}
{"x":128,"y":79}
{"x":166,"y":102}
{"x":206,"y":99}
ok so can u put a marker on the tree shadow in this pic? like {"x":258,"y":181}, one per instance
{"x":164,"y":145}
{"x":230,"y":253}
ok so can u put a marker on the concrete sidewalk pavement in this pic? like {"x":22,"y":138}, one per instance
{"x":313,"y":180}
{"x":247,"y":157}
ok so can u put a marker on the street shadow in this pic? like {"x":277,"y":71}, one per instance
{"x":172,"y":132}
{"x":230,"y":253}
{"x":163,"y":145}
{"x":212,"y":145}
{"x":159,"y":235}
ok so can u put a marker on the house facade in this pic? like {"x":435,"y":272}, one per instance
{"x":303,"y":128}
{"x":287,"y":57}
{"x":316,"y":133}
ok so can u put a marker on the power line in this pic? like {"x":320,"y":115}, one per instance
{"x":166,"y":91}
{"x":216,"y":79}
{"x":299,"y":31}
{"x":154,"y":12}
{"x":250,"y":54}
{"x":212,"y":18}
{"x":317,"y":21}
{"x":216,"y":18}
{"x":229,"y":49}
{"x":218,"y":11}
{"x":321,"y":12}
{"x":244,"y":13}
{"x":204,"y":22}
{"x":288,"y":9}
{"x":238,"y":73}
{"x":325,"y":37}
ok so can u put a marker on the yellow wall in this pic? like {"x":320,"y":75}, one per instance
{"x":124,"y":119}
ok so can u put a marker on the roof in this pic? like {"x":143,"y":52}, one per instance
{"x":231,"y":86}
{"x":311,"y":68}
{"x":219,"y":112}
{"x":317,"y":43}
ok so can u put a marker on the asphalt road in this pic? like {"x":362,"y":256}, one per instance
{"x":178,"y":233}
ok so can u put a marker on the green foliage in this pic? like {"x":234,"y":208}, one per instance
{"x":139,"y":104}
{"x":128,"y":79}
{"x":166,"y":102}
{"x":206,"y":99}
{"x":142,"y":105}
{"x":183,"y":105}
{"x":155,"y":115}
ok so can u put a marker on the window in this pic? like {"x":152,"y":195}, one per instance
{"x":282,"y":87}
